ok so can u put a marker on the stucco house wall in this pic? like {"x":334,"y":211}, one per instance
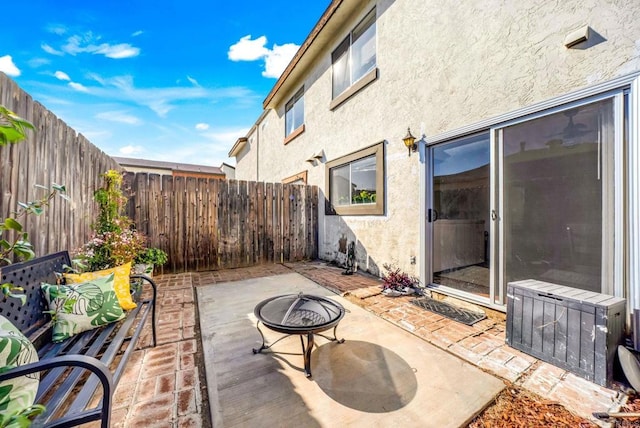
{"x":440,"y":67}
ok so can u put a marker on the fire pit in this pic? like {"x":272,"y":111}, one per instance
{"x":301,"y":314}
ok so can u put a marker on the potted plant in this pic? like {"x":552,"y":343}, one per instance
{"x":147,"y":259}
{"x":397,"y":283}
{"x":115,"y":240}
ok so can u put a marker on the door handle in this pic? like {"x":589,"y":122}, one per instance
{"x":432,"y":215}
{"x":494,"y":215}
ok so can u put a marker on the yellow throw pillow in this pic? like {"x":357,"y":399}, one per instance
{"x":120,"y":285}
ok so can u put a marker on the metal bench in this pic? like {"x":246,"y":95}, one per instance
{"x":75,"y":370}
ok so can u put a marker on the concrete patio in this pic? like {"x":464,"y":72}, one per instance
{"x":380,"y":376}
{"x":166,"y":386}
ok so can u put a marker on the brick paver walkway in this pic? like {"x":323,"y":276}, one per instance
{"x":165,"y":387}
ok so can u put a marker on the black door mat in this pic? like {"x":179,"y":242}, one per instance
{"x":445,"y":309}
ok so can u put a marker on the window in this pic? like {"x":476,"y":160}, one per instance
{"x":356,"y":183}
{"x":557,"y":196}
{"x":355,"y":56}
{"x":299,"y":178}
{"x":294,"y":114}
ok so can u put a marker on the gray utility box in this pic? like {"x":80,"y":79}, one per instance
{"x":574,"y":329}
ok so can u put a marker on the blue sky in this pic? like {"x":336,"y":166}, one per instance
{"x":163,"y":80}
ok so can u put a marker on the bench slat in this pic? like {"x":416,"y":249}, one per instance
{"x":65,"y":389}
{"x":59,"y":382}
{"x":89,"y":388}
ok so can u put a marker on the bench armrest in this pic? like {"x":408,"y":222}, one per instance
{"x":92,"y":364}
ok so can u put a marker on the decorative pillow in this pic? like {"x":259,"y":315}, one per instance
{"x":16,"y":350}
{"x":83,"y":306}
{"x":121,"y":284}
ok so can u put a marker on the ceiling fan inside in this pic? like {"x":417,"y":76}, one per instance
{"x":572,"y":131}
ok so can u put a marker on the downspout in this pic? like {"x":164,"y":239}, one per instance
{"x":258,"y":152}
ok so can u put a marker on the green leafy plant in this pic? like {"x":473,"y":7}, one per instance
{"x":152,"y":256}
{"x":21,"y":418}
{"x":111,"y":204}
{"x":13,"y":128}
{"x":115,"y":240}
{"x":14,"y":240}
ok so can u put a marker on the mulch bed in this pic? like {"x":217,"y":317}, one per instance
{"x":516,"y":407}
{"x":632,"y":406}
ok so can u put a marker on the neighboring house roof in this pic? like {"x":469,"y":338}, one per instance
{"x":172,"y":166}
{"x":224,"y":164}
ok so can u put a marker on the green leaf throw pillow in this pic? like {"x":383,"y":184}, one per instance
{"x":16,"y":350}
{"x":83,"y":306}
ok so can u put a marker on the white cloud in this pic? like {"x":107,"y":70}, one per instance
{"x":8,"y":67}
{"x":87,"y":43}
{"x":137,"y":33}
{"x":48,"y":49}
{"x":38,"y":62}
{"x":278,"y":58}
{"x":248,"y":50}
{"x":61,"y":75}
{"x":193,"y":81}
{"x":275,"y":60}
{"x":160,"y":100}
{"x":131,"y":150}
{"x":122,"y":50}
{"x":56,"y":29}
{"x":202,"y":126}
{"x":119,"y":116}
{"x":79,"y":87}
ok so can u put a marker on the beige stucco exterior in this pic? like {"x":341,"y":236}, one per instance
{"x":440,"y":67}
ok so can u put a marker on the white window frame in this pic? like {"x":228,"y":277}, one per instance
{"x":626,"y":251}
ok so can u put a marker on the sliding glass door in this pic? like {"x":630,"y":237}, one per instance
{"x":460,"y":214}
{"x":530,"y":199}
{"x":558,"y":196}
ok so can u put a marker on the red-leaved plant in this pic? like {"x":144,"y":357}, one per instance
{"x":396,"y":279}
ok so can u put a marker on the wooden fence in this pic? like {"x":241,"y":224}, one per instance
{"x":208,"y":224}
{"x":54,"y":153}
{"x":204,"y":224}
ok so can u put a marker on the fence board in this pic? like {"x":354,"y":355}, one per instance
{"x":207,"y":224}
{"x":52,"y":153}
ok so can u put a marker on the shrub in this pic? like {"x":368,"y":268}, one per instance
{"x":152,"y":256}
{"x":396,"y":279}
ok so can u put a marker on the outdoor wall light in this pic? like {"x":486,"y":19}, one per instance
{"x":577,"y":36}
{"x":317,"y":157}
{"x":410,"y":142}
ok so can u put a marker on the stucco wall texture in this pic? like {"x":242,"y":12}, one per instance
{"x":440,"y":67}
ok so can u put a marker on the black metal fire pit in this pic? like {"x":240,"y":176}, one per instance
{"x":301,"y":314}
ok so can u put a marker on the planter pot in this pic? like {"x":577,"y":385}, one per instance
{"x":406,"y":291}
{"x":143,"y":269}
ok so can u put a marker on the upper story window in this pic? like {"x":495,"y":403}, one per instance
{"x":355,"y":56}
{"x":294,"y":113}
